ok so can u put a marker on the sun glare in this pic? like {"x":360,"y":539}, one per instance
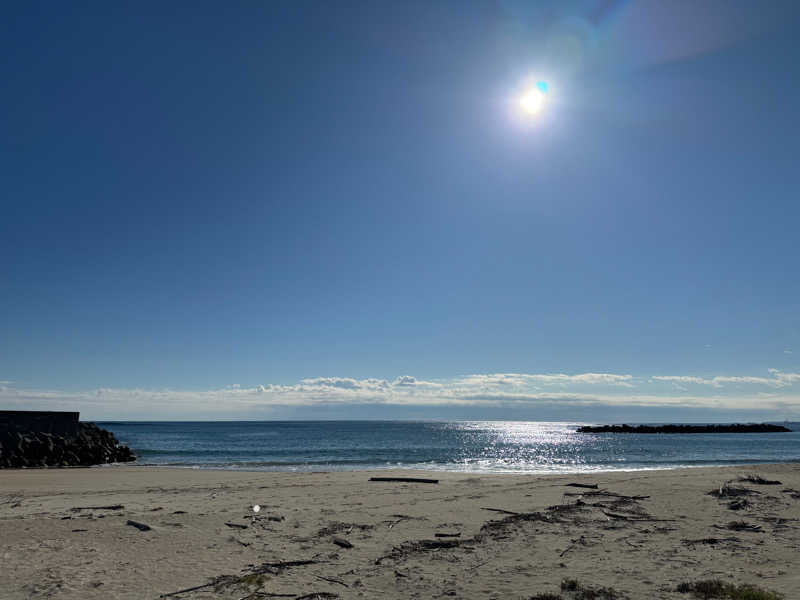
{"x":533,"y":98}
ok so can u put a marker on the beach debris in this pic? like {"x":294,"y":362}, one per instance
{"x":579,"y":591}
{"x":256,"y":508}
{"x":236,"y":525}
{"x":79,"y":530}
{"x":139,"y":526}
{"x":715,"y":588}
{"x":191,"y":589}
{"x":740,"y":504}
{"x":318,"y":596}
{"x":635,"y":517}
{"x":407,"y":548}
{"x":179,"y":512}
{"x":729,"y":491}
{"x":109,"y":507}
{"x":795,"y":494}
{"x":590,"y":486}
{"x":401,"y":518}
{"x":338,"y":527}
{"x":741,"y":526}
{"x":500,"y":510}
{"x":276,"y":567}
{"x":444,"y":535}
{"x":605,"y":493}
{"x":711,"y":541}
{"x":332,"y":580}
{"x":341,"y":542}
{"x":573,"y":543}
{"x":758,"y":480}
{"x":404,"y":479}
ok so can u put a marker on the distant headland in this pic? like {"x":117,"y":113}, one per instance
{"x":735,"y":428}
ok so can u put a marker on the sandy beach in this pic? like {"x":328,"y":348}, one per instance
{"x":66,"y":533}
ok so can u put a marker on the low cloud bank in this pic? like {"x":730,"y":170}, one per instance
{"x":496,"y":394}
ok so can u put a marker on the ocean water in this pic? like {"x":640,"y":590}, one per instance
{"x":474,"y":446}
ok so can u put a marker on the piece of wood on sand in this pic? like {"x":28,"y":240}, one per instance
{"x":405,"y":479}
{"x":588,"y":486}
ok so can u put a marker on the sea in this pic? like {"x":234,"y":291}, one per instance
{"x":462,"y":446}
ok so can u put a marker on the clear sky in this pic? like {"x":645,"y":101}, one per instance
{"x":339,"y":209}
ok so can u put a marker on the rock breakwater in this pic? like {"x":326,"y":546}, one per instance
{"x":91,"y":445}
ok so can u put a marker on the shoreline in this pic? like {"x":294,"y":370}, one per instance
{"x":418,"y":469}
{"x":64,"y":533}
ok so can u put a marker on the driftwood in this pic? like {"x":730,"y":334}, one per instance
{"x":740,"y":526}
{"x":590,"y":486}
{"x":758,"y":480}
{"x":500,"y":510}
{"x":332,"y":580}
{"x":741,"y":503}
{"x":191,"y":589}
{"x":236,"y":525}
{"x":274,"y":567}
{"x":634,"y":517}
{"x":139,"y":526}
{"x":728,"y":491}
{"x":318,"y":596}
{"x":710,"y":541}
{"x":342,"y":543}
{"x":420,"y":546}
{"x":443,"y":535}
{"x":109,"y":507}
{"x":606,"y":493}
{"x":404,"y":479}
{"x":795,"y":494}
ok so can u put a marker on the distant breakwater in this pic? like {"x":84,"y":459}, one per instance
{"x":47,"y":439}
{"x":735,"y":428}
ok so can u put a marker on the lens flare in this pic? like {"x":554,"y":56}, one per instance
{"x":532,"y":101}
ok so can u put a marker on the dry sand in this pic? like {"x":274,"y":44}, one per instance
{"x":52,"y":546}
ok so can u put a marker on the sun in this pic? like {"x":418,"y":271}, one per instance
{"x":533,"y":99}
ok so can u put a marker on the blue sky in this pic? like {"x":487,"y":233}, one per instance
{"x":312,"y":209}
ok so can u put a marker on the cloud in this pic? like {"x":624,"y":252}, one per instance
{"x":520,"y":379}
{"x":494,"y":390}
{"x":778,"y":379}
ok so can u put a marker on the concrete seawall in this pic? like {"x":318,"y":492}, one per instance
{"x":35,"y":421}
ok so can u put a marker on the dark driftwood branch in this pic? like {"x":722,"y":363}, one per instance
{"x":191,"y":589}
{"x":590,"y":486}
{"x":404,"y":479}
{"x":318,"y":596}
{"x":500,"y":510}
{"x":139,"y":526}
{"x":269,"y":566}
{"x":110,"y":507}
{"x":332,"y":580}
{"x":443,"y":535}
{"x":634,"y":518}
{"x":236,"y":525}
{"x":342,"y":543}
